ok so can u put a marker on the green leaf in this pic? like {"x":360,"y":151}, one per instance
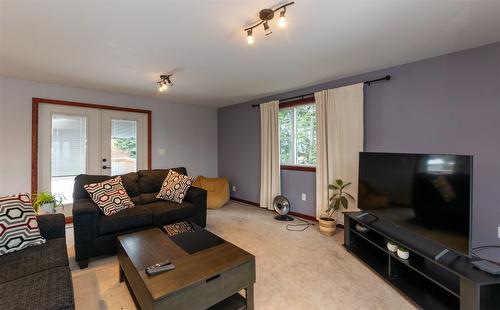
{"x":339,"y":182}
{"x":344,"y":201}
{"x":350,"y":196}
{"x":333,"y":196}
{"x":336,"y":206}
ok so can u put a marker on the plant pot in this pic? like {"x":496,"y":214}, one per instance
{"x":327,"y":227}
{"x":47,"y":208}
{"x":404,"y":254}
{"x":392,"y":246}
{"x":362,"y":229}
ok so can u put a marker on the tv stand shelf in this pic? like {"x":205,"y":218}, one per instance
{"x":450,"y":283}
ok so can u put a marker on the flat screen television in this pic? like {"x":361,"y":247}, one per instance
{"x":427,"y":194}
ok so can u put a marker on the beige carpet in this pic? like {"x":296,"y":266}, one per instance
{"x":295,"y":270}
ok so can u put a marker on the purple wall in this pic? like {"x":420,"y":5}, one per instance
{"x":447,"y":104}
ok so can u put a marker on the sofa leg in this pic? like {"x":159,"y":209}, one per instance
{"x":83,"y":263}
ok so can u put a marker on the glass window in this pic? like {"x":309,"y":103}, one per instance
{"x":298,"y":135}
{"x":123,"y":146}
{"x":69,"y":153}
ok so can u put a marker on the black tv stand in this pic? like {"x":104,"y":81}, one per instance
{"x":448,"y":282}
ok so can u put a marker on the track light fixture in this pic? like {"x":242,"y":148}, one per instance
{"x":165,"y":82}
{"x":265,"y":16}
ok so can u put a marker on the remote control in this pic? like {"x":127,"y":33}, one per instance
{"x":487,"y":266}
{"x":160,"y":267}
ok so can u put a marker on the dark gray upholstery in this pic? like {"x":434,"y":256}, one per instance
{"x":125,"y":220}
{"x":46,"y":290}
{"x":168,"y":212}
{"x":38,"y":277}
{"x":33,"y":259}
{"x":95,"y":233}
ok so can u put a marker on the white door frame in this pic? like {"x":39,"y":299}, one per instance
{"x":35,"y":137}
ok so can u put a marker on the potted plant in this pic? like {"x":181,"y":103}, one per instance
{"x":392,"y":246}
{"x":47,"y":202}
{"x":403,"y":252}
{"x":340,"y":199}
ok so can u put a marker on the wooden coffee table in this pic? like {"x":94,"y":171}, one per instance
{"x":208,"y":277}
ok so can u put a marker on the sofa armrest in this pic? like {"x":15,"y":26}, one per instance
{"x":52,"y":225}
{"x":84,"y":206}
{"x":86,"y":216}
{"x":198,"y":197}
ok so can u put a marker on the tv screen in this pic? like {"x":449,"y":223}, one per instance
{"x":428,"y":194}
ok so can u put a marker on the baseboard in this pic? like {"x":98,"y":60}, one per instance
{"x":246,"y":201}
{"x":304,"y":216}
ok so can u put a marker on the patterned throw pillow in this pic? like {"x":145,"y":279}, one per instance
{"x":175,"y":187}
{"x":18,"y":224}
{"x":110,"y":196}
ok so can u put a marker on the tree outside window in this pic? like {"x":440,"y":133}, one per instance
{"x":298,"y":135}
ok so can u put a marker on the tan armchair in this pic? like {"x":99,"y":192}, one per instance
{"x":217,"y":190}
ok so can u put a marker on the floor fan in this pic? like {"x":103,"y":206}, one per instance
{"x":282,"y":206}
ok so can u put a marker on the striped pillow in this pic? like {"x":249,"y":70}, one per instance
{"x":110,"y":196}
{"x":175,"y":187}
{"x":18,"y":224}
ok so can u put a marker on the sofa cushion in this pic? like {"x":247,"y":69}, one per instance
{"x":150,"y":181}
{"x":126,"y":219}
{"x":130,"y":181}
{"x":110,"y":195}
{"x":18,"y":224}
{"x":33,"y":259}
{"x":175,"y":187}
{"x":49,"y":289}
{"x":166,"y":212}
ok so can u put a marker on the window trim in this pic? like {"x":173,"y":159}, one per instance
{"x":298,"y":168}
{"x":292,"y":104}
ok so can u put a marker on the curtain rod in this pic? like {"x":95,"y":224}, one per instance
{"x":306,"y":96}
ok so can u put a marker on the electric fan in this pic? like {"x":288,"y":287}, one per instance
{"x":282,"y":206}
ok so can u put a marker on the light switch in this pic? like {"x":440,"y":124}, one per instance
{"x":303,"y":196}
{"x":161,"y":151}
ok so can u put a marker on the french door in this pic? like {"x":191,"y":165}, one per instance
{"x":75,"y":140}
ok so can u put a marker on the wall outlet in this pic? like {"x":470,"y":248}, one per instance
{"x":161,"y":152}
{"x":234,"y":188}
{"x":304,"y":197}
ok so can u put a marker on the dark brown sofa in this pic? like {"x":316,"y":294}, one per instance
{"x":95,"y":233}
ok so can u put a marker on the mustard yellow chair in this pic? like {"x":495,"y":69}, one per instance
{"x":217,"y":190}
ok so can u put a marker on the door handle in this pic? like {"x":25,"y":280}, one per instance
{"x":105,"y":167}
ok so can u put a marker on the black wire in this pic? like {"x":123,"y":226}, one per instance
{"x":486,"y":247}
{"x":301,"y":226}
{"x":482,"y":248}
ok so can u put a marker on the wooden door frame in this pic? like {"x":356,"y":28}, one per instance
{"x":34,"y":129}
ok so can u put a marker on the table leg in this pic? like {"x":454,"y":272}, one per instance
{"x":249,"y":297}
{"x":122,"y":275}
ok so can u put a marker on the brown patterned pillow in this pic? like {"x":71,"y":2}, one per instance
{"x":175,"y":187}
{"x":110,"y":196}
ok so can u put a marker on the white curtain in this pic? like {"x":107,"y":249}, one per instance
{"x":270,"y":185}
{"x":339,"y":114}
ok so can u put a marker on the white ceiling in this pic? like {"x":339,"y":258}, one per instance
{"x":123,"y":46}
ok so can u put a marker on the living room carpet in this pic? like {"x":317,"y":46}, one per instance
{"x":295,"y":270}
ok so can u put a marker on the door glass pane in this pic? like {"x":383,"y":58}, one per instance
{"x":123,"y":146}
{"x":68,"y":154}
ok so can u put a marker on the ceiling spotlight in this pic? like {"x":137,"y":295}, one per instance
{"x":282,"y":19}
{"x":267,"y":29}
{"x":250,"y":38}
{"x":265,"y":16}
{"x":164,"y":82}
